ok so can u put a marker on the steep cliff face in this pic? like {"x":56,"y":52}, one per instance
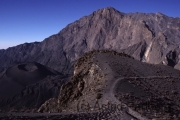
{"x":147,"y":37}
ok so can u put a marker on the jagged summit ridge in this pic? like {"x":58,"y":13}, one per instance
{"x":110,"y":10}
{"x":140,"y":35}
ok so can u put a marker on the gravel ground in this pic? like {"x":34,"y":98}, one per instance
{"x":101,"y":115}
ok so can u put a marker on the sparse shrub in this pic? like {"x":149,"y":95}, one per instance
{"x":99,"y":96}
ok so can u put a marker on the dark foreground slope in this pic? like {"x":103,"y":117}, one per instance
{"x":103,"y":78}
{"x":26,"y":86}
{"x":153,"y":38}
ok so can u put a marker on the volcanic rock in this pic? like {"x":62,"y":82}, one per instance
{"x":151,"y":38}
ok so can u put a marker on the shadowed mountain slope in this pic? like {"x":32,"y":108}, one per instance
{"x":108,"y":77}
{"x":26,"y":86}
{"x":152,"y":38}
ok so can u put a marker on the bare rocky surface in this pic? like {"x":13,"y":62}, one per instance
{"x":105,"y":85}
{"x":25,"y":86}
{"x":103,"y":78}
{"x":152,"y":38}
{"x":38,"y":73}
{"x":154,"y":97}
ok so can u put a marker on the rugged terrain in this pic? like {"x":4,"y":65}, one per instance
{"x":35,"y":76}
{"x":132,"y":89}
{"x":26,"y":86}
{"x":152,"y":38}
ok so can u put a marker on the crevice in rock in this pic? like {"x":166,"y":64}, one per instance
{"x":172,"y":58}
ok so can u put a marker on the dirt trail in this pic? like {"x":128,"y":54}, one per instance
{"x":109,"y":94}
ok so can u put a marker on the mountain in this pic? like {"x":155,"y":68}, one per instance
{"x":151,"y":38}
{"x":36,"y":71}
{"x":27,"y":86}
{"x":112,"y":85}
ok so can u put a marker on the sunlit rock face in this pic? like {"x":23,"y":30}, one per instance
{"x":147,"y":37}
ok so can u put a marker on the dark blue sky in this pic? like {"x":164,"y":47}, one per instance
{"x":34,"y":20}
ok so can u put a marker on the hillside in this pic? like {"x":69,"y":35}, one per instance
{"x":112,"y":58}
{"x":144,"y":91}
{"x":152,"y":38}
{"x":26,"y":86}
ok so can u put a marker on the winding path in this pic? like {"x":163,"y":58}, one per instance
{"x":109,"y":94}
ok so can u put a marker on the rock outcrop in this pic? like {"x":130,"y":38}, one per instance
{"x":103,"y":78}
{"x":151,"y":38}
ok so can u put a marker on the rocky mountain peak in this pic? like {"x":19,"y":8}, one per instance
{"x":108,"y":9}
{"x":108,"y":12}
{"x":150,"y":36}
{"x":159,"y":14}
